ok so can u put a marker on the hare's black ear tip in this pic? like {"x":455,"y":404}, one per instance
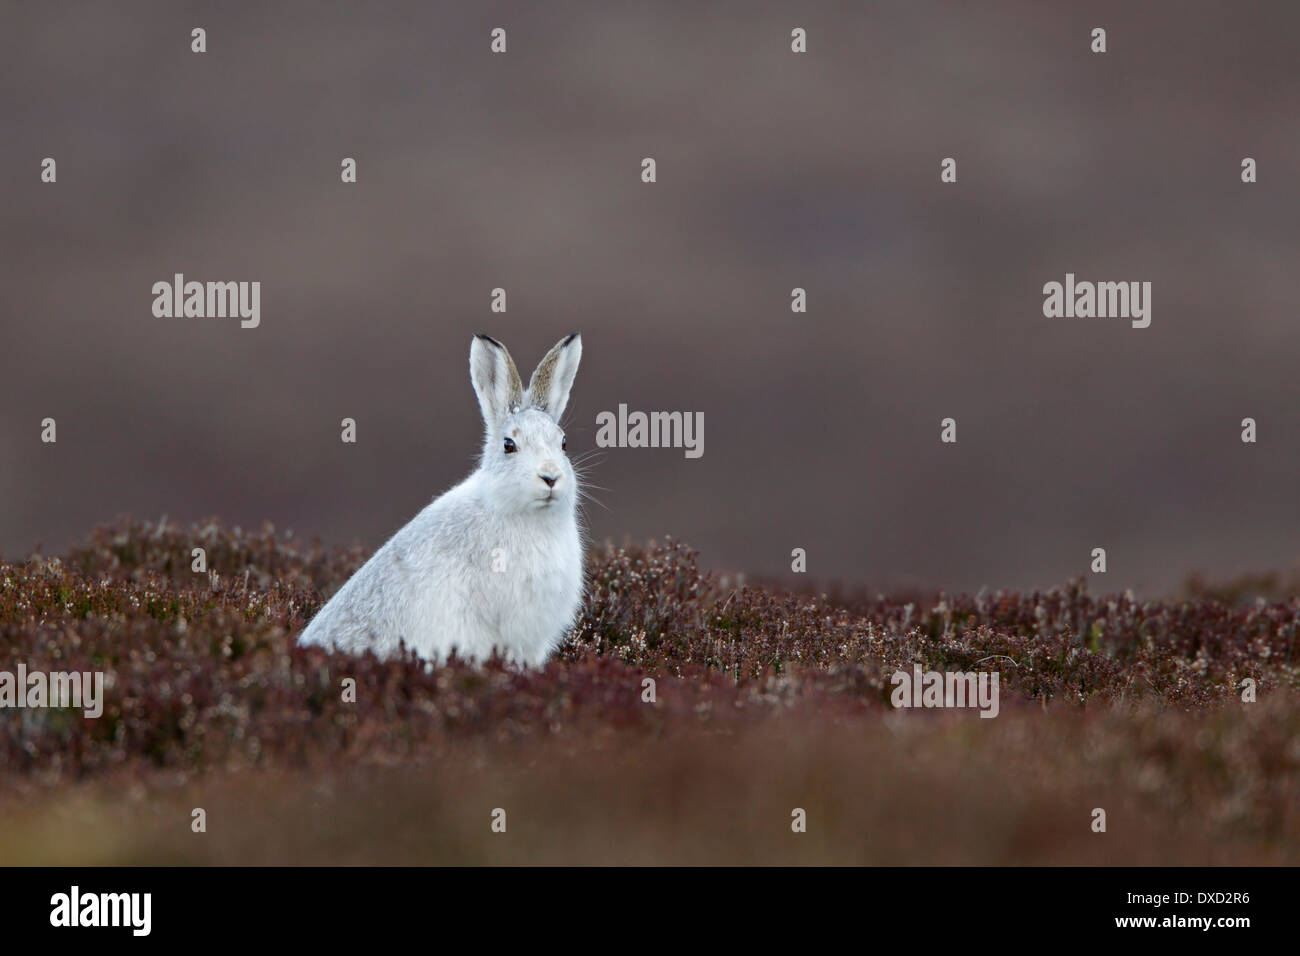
{"x":569,"y":338}
{"x":488,"y":339}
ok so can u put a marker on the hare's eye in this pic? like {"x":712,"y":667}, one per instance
{"x":510,"y":445}
{"x":564,"y":444}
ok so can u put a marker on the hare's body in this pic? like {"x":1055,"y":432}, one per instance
{"x":495,"y":563}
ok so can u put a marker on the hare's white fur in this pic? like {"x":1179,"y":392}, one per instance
{"x":495,"y":563}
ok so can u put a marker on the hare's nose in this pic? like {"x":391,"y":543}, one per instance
{"x":549,"y":479}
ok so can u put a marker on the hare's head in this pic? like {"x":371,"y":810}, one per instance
{"x":524,"y":456}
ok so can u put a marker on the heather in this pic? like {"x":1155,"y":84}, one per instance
{"x":766,"y":699}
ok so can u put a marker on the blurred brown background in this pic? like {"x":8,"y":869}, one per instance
{"x":775,"y":170}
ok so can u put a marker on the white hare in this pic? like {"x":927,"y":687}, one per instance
{"x":493,"y":563}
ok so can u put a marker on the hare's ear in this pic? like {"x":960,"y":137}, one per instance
{"x":549,"y":387}
{"x":495,"y":378}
